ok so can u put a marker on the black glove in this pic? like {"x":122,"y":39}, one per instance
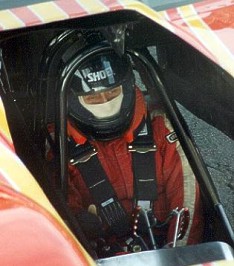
{"x":90,"y":224}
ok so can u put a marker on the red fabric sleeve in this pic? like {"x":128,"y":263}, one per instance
{"x":76,"y":200}
{"x":176,"y":181}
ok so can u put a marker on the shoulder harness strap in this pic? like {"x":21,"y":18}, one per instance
{"x":110,"y":208}
{"x":144,"y":166}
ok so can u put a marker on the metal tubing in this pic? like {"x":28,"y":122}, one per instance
{"x":197,"y":163}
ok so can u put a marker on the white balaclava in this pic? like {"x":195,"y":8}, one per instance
{"x":103,"y":110}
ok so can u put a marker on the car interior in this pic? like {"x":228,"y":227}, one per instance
{"x":171,"y":74}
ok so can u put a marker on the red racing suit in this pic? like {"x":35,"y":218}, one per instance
{"x":176,"y":183}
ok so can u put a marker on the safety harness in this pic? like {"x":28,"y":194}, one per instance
{"x":143,"y":148}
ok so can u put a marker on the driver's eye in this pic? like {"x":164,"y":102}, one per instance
{"x":114,"y":92}
{"x":91,"y":99}
{"x":102,"y":97}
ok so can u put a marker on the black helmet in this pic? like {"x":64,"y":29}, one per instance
{"x":98,"y":70}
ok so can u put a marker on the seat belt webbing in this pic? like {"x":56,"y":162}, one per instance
{"x":144,"y":164}
{"x":144,"y":176}
{"x":102,"y":191}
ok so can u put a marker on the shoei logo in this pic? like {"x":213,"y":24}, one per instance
{"x":99,"y":75}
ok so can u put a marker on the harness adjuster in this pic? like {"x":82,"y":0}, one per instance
{"x":114,"y":216}
{"x":84,"y":157}
{"x":142,"y":148}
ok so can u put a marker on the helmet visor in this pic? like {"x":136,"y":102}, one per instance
{"x":103,"y":72}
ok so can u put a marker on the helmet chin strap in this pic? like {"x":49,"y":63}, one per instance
{"x":103,"y":110}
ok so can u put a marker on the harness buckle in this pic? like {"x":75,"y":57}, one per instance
{"x":145,"y":204}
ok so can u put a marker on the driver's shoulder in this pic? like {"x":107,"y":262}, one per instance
{"x":159,"y":118}
{"x":162,"y":127}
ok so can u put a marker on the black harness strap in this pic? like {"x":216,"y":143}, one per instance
{"x":145,"y":183}
{"x":100,"y":188}
{"x":144,"y":167}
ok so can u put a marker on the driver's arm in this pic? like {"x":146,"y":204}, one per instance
{"x":178,"y":181}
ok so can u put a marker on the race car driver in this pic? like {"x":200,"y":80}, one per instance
{"x":127,"y":157}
